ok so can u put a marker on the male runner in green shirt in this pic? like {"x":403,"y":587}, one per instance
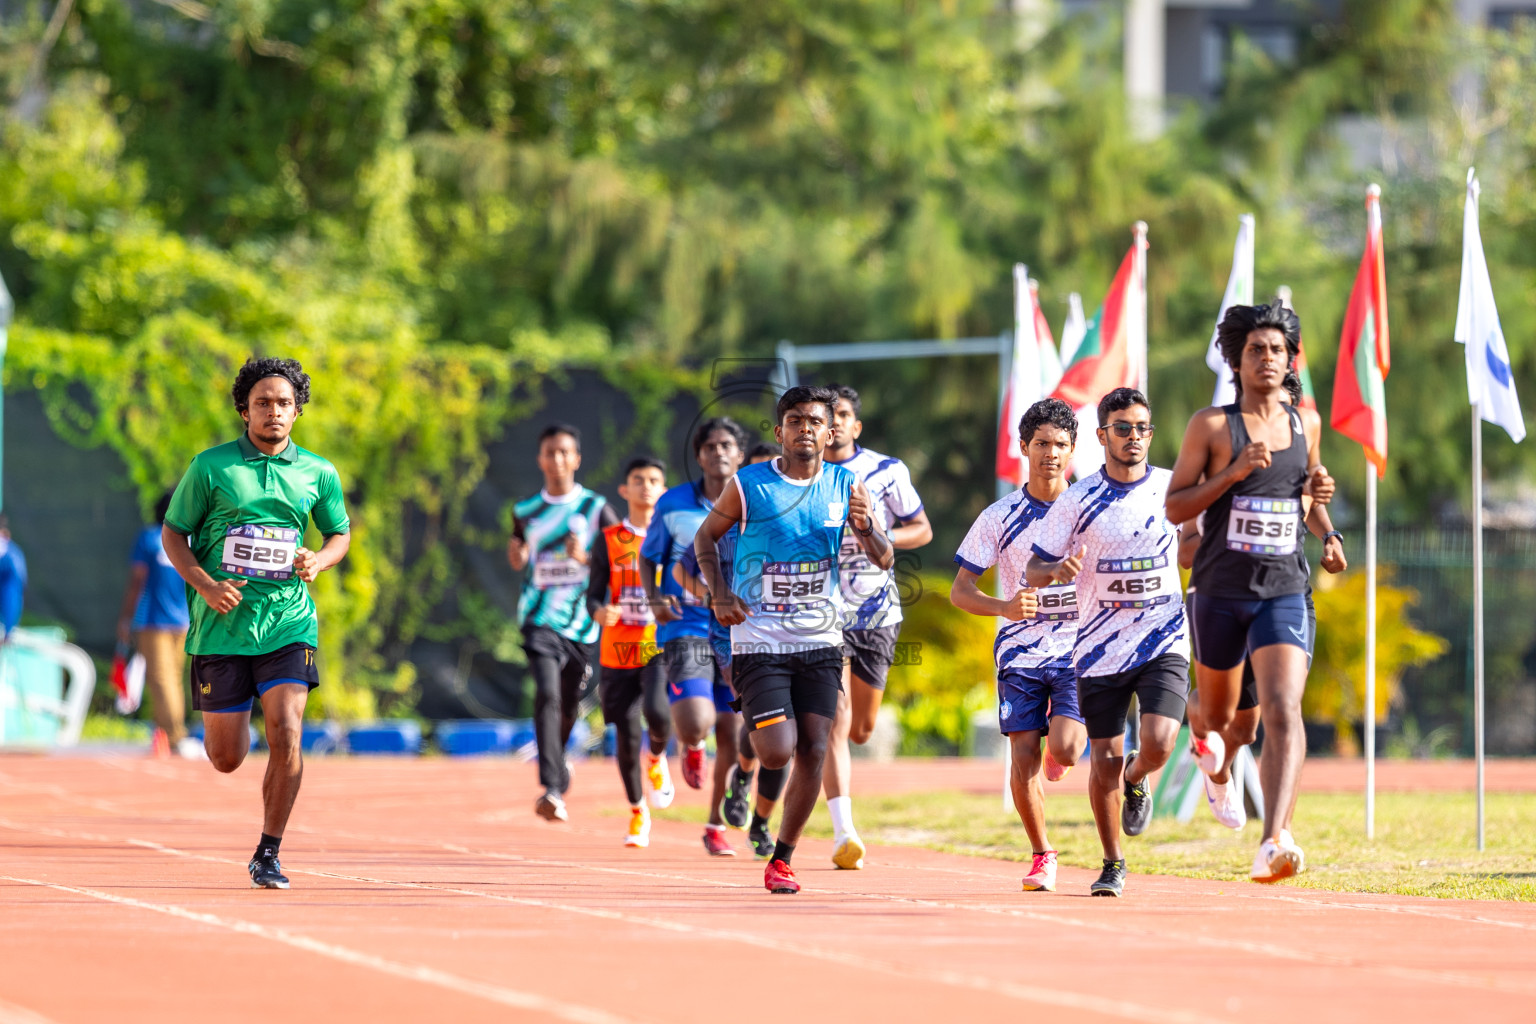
{"x":235,"y":533}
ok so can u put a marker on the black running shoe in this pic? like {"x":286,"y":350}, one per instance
{"x":1111,"y":881}
{"x":1136,"y":812}
{"x":738,"y":790}
{"x":266,"y":872}
{"x":761,"y":842}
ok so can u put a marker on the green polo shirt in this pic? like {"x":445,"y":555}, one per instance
{"x":234,"y":485}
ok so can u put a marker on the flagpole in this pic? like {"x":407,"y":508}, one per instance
{"x":1005,"y":487}
{"x":1477,"y":608}
{"x":1139,"y":231}
{"x":1370,"y":651}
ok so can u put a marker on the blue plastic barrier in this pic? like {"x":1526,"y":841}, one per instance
{"x":402,"y":737}
{"x":611,"y":740}
{"x":468,"y":737}
{"x":321,"y":738}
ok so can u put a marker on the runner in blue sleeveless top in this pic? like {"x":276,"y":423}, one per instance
{"x":785,"y":613}
{"x":1247,"y":467}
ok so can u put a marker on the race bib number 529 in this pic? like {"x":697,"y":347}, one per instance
{"x":260,"y":552}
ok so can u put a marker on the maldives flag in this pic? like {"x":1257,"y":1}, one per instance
{"x":1359,"y":393}
{"x":1112,"y":353}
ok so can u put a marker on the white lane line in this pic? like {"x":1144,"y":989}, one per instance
{"x":1069,"y":1000}
{"x":10,"y":1013}
{"x":410,"y":972}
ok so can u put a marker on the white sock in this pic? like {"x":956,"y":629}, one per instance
{"x":714,"y":828}
{"x":841,"y":808}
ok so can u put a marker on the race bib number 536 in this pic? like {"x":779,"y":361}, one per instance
{"x":260,"y":552}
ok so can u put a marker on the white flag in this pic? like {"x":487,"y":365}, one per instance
{"x":1074,"y":330}
{"x":1239,"y":293}
{"x":1490,"y":385}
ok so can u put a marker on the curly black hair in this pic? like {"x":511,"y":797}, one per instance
{"x":725,"y":423}
{"x":1241,"y":321}
{"x":259,"y":369}
{"x":1052,"y":411}
{"x":1120,"y":398}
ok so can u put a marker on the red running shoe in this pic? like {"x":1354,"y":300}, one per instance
{"x":693,"y":766}
{"x":779,"y":877}
{"x":715,"y":843}
{"x":1055,"y":771}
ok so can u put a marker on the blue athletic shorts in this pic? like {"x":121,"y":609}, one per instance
{"x":1225,"y":630}
{"x":1029,"y":698}
{"x":693,"y":671}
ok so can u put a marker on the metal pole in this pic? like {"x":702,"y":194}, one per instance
{"x":1004,"y":488}
{"x":1370,"y":651}
{"x":1477,"y":608}
{"x":6,"y":308}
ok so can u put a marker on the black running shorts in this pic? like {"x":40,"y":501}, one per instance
{"x":777,"y":687}
{"x":233,"y":682}
{"x":1161,"y":687}
{"x":871,"y":652}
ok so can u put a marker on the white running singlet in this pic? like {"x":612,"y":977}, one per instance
{"x":1129,"y":600}
{"x":870,"y":596}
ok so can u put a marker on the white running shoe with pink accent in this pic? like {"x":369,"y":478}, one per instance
{"x":1209,"y":752}
{"x":1226,"y":801}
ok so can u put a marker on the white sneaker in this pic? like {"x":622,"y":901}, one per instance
{"x":1286,"y":842}
{"x":1274,"y":862}
{"x":550,"y":807}
{"x":659,"y":777}
{"x":1225,"y":801}
{"x":639,"y":827}
{"x":191,"y":748}
{"x":1209,"y":752}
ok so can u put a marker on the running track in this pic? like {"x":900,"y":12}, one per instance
{"x":427,"y":890}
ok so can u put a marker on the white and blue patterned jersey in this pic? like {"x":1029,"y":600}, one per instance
{"x":1001,"y":536}
{"x":786,"y":559}
{"x":1129,"y":599}
{"x":870,"y":596}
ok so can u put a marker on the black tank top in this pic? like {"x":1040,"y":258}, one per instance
{"x":1251,"y":544}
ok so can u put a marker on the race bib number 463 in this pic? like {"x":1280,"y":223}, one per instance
{"x":1135,"y":582}
{"x":260,"y":552}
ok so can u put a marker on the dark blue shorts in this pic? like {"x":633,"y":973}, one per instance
{"x":693,"y":671}
{"x":1029,"y":698}
{"x":1225,"y":630}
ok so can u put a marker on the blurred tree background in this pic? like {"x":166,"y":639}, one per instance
{"x":470,"y":193}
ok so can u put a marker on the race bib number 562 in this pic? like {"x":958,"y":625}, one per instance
{"x":260,"y":552}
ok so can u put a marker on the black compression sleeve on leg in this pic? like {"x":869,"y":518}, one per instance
{"x":628,"y":755}
{"x":770,"y":782}
{"x":783,"y":851}
{"x":744,"y":744}
{"x":658,"y":712}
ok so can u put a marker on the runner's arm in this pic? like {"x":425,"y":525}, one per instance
{"x":1189,"y":543}
{"x":1320,"y":485}
{"x":309,"y":564}
{"x":517,"y":547}
{"x":597,"y":581}
{"x":913,"y":532}
{"x":1321,"y":524}
{"x":968,"y":597}
{"x":725,"y":514}
{"x":220,"y":595}
{"x":138,"y":573}
{"x":877,"y":546}
{"x":1188,"y":494}
{"x":687,"y":581}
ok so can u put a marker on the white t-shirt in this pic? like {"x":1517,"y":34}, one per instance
{"x":870,"y":596}
{"x":1129,"y":598}
{"x":1001,"y":536}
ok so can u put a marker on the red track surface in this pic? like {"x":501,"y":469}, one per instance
{"x":428,"y":890}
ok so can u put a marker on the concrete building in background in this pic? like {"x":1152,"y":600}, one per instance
{"x":1180,"y":49}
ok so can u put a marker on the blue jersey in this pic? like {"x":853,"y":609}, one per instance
{"x":678,"y":516}
{"x":719,"y":633}
{"x":13,"y":584}
{"x":163,"y":601}
{"x":786,"y":565}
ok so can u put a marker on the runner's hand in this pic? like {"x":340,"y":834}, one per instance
{"x":1253,"y":456}
{"x":574,"y":548}
{"x":1022,"y":605}
{"x":608,"y":615}
{"x":222,"y":595}
{"x":729,"y":609}
{"x":1320,"y":485}
{"x":1066,"y":570}
{"x":306,"y":564}
{"x":1333,"y":555}
{"x":858,"y":507}
{"x":665,"y":609}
